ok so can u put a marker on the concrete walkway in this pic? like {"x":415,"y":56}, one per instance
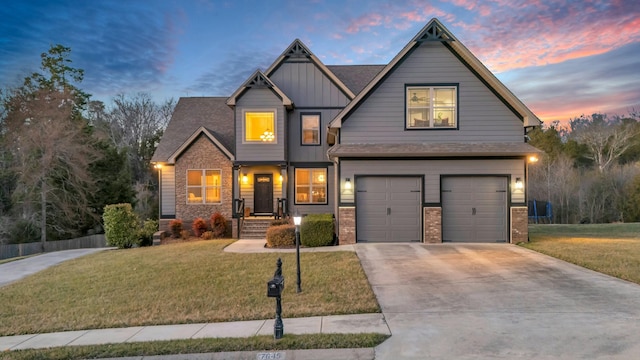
{"x":19,"y":269}
{"x":339,"y":324}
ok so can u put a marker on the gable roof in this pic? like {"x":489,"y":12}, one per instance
{"x":436,"y":31}
{"x":191,"y":115}
{"x":258,"y":80}
{"x":205,"y":132}
{"x":298,"y":50}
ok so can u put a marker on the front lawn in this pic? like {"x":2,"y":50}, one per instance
{"x":181,"y":283}
{"x":612,"y":249}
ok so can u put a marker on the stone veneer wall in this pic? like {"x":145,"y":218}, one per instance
{"x":347,"y":225}
{"x":203,"y":154}
{"x":519,"y":224}
{"x":433,"y":225}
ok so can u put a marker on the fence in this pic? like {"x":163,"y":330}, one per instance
{"x":15,"y":250}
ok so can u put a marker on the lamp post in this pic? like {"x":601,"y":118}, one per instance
{"x":297,"y":219}
{"x":158,"y":166}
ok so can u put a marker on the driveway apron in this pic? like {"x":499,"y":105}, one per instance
{"x":488,"y":301}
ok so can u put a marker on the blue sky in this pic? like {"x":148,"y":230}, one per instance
{"x":562,"y":58}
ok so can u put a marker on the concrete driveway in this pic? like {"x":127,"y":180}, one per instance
{"x":488,"y":301}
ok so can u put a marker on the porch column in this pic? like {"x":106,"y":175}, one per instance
{"x":284,"y":185}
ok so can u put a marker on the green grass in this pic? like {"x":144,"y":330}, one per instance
{"x":193,"y":346}
{"x":612,"y":249}
{"x":190,"y":282}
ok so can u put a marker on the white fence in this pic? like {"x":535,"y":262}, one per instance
{"x":15,"y":250}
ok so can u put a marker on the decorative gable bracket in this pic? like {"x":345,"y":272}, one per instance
{"x":297,"y":50}
{"x":435,"y":32}
{"x":258,"y":81}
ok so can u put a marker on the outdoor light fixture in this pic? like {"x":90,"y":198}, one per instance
{"x":519,"y":184}
{"x":533,"y":159}
{"x":347,"y":184}
{"x":280,"y":178}
{"x":157,"y":166}
{"x":245,"y":179}
{"x":297,"y":220}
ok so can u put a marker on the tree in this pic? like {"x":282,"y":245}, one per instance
{"x":606,"y":140}
{"x":49,"y":145}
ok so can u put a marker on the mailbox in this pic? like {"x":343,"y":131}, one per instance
{"x":275,"y":286}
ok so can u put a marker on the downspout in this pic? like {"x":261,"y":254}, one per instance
{"x":332,"y":136}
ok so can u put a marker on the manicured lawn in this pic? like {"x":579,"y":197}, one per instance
{"x":195,"y":346}
{"x":180,"y":283}
{"x":612,"y":249}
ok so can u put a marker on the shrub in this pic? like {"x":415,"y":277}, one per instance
{"x":121,"y":225}
{"x":207,"y":235}
{"x":23,"y":231}
{"x":280,"y":222}
{"x":199,"y":226}
{"x":317,"y":230}
{"x":185,"y":234}
{"x":281,"y":236}
{"x":176,"y":228}
{"x":149,"y":227}
{"x":218,"y":225}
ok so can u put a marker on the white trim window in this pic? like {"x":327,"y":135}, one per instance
{"x":260,"y":127}
{"x":203,"y":186}
{"x":431,"y":107}
{"x":311,"y":186}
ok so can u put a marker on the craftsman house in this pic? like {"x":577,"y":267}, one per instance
{"x":428,"y":148}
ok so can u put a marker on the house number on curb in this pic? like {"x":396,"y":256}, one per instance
{"x":271,"y":356}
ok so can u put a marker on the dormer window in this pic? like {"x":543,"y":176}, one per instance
{"x":431,"y":107}
{"x":260,"y":126}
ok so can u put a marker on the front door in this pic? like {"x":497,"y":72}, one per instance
{"x":263,"y":194}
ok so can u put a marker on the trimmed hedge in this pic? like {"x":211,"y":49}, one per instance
{"x":281,"y":236}
{"x":121,"y":226}
{"x":317,"y":230}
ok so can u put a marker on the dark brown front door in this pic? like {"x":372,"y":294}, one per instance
{"x":263,"y":194}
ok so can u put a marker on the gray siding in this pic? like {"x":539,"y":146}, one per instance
{"x":307,"y":86}
{"x":482,"y":116}
{"x":298,"y":152}
{"x":312,"y":209}
{"x":260,"y":100}
{"x":168,"y":178}
{"x":432,"y":169}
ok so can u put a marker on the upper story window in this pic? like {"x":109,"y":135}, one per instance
{"x":260,"y":126}
{"x":310,"y":129}
{"x":431,"y":107}
{"x":203,"y":186}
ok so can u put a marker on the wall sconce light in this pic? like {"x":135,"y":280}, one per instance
{"x":245,"y":179}
{"x":157,"y":166}
{"x":281,"y":178}
{"x":533,"y":159}
{"x":519,"y":184}
{"x":347,"y":184}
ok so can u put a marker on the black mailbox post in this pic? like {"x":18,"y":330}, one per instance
{"x":275,"y":287}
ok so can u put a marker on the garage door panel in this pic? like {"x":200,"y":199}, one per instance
{"x":388,"y":209}
{"x":474,"y":209}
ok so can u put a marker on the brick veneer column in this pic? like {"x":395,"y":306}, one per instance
{"x":432,"y":225}
{"x":519,"y":224}
{"x":347,"y":225}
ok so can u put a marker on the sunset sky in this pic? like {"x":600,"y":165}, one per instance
{"x":561,"y":58}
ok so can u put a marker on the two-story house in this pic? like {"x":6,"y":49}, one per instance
{"x":428,"y":148}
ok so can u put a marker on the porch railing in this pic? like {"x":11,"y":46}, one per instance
{"x":238,"y":212}
{"x":283,"y":210}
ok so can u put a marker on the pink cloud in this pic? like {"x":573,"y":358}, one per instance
{"x":364,"y":22}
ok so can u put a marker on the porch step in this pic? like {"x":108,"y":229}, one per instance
{"x":255,"y":228}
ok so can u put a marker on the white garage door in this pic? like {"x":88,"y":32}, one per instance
{"x":474,"y":209}
{"x":388,"y":209}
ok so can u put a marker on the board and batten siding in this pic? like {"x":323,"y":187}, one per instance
{"x":308,"y":153}
{"x":482,"y":116}
{"x":260,"y":100}
{"x":432,"y":170}
{"x":168,"y":179}
{"x":307,"y":86}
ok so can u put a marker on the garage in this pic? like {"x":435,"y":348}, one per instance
{"x":388,"y":209}
{"x":474,"y":209}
